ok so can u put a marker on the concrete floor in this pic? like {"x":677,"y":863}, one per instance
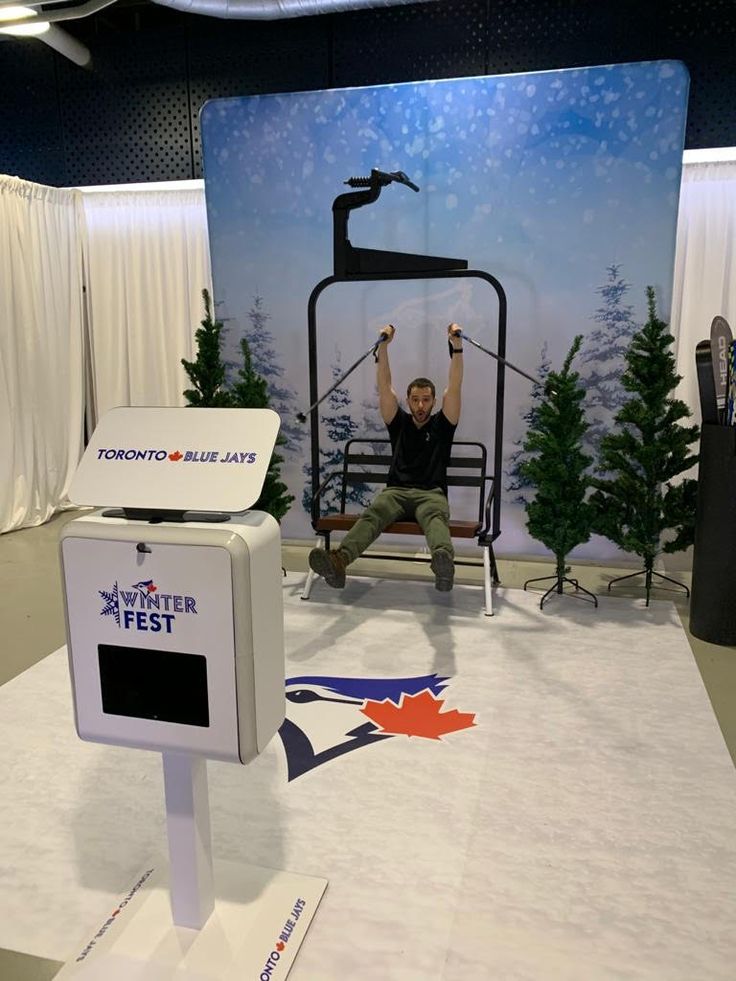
{"x":31,"y":614}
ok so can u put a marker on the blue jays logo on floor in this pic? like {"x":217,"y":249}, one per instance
{"x":327,"y":717}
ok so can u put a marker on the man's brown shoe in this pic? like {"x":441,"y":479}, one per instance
{"x":444,"y":570}
{"x":330,"y":565}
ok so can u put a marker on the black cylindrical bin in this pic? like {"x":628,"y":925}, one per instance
{"x":713,"y":600}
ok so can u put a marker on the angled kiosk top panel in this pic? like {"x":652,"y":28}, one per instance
{"x":186,"y":459}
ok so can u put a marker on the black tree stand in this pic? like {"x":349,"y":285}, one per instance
{"x":558,"y":587}
{"x":648,"y":585}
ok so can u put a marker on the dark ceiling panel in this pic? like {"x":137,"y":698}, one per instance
{"x":127,"y":118}
{"x":30,"y":130}
{"x":133,"y":115}
{"x":237,"y":58}
{"x":446,"y":39}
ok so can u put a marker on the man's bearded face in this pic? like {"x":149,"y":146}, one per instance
{"x":421,"y":403}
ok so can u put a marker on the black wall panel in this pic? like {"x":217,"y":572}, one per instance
{"x":133,"y":115}
{"x":253,"y":58}
{"x":30,"y":128}
{"x":127,"y":119}
{"x":446,"y":39}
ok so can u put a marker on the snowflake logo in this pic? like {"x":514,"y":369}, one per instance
{"x":112,"y":603}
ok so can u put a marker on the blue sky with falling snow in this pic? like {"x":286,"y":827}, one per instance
{"x":543,"y":179}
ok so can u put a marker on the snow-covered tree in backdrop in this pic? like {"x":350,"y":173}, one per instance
{"x":517,"y":482}
{"x":372,"y":424}
{"x":251,"y":392}
{"x":602,"y":358}
{"x":266,"y":363}
{"x":338,"y":426}
{"x":229,"y":341}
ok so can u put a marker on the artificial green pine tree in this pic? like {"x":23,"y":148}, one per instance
{"x":559,"y":515}
{"x":637,"y":504}
{"x":250,"y":392}
{"x":207,"y":373}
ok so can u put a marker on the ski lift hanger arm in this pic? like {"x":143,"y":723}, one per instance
{"x":370,"y":189}
{"x":352,"y":261}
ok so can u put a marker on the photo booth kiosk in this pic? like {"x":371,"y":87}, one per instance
{"x":175,"y":640}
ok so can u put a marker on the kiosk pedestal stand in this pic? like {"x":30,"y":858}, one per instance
{"x":175,"y":640}
{"x":188,"y":827}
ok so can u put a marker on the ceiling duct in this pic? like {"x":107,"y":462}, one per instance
{"x":18,"y":20}
{"x":274,"y":9}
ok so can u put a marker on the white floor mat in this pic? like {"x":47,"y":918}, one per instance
{"x":576,"y":817}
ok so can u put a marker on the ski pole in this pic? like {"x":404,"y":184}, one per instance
{"x":302,"y":416}
{"x":501,"y":360}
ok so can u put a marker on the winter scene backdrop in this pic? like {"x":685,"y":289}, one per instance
{"x":563,"y":185}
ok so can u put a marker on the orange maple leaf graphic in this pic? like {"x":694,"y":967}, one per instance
{"x":175,"y":456}
{"x":417,"y":715}
{"x":151,"y":588}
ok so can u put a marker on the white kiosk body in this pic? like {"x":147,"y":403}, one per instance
{"x":176,"y":633}
{"x":176,"y":643}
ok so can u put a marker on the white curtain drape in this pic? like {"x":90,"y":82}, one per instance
{"x":148,"y":262}
{"x":41,"y":349}
{"x":705,"y":264}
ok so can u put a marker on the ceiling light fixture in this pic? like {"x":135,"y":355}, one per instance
{"x":24,"y":26}
{"x":12,"y":13}
{"x":32,"y":29}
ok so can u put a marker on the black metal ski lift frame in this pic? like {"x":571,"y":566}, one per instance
{"x":357,"y":265}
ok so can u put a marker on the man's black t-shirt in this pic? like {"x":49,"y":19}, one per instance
{"x":420,"y":456}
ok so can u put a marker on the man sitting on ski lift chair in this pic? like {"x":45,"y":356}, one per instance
{"x":416,"y":490}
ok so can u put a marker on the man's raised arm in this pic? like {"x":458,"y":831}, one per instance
{"x":388,"y":403}
{"x":451,"y":400}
